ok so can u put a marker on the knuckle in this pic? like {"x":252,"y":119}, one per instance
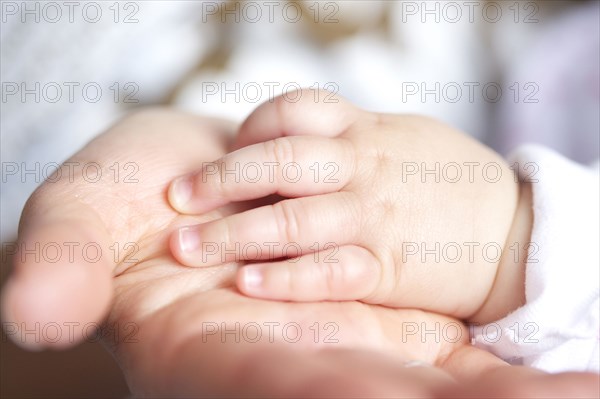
{"x":215,"y":180}
{"x":287,"y":219}
{"x":227,"y":232}
{"x":281,"y":150}
{"x":334,"y":276}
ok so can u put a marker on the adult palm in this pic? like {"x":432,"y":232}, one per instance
{"x":173,"y":328}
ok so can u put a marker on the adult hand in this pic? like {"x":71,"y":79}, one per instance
{"x":173,"y":328}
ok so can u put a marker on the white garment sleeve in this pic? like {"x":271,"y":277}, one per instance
{"x":558,"y":327}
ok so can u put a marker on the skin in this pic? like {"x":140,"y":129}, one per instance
{"x":171,"y":354}
{"x":370,"y":213}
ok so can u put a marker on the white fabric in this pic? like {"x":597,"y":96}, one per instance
{"x":558,"y":327}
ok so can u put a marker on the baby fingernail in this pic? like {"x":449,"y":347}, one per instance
{"x":416,"y":363}
{"x":189,"y":239}
{"x":180,"y":192}
{"x":252,"y":278}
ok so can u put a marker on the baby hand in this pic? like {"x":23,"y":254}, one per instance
{"x":401,"y":211}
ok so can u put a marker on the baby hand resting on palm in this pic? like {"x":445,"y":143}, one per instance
{"x":396,"y":210}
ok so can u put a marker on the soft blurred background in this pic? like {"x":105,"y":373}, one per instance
{"x":506,"y":72}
